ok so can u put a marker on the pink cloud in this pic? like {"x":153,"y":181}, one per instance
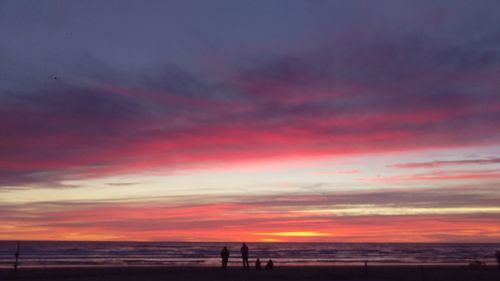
{"x":339,"y":172}
{"x":305,"y":105}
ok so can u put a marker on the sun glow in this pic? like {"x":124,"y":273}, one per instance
{"x":296,"y":234}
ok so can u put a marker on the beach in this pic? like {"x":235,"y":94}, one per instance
{"x":318,"y":273}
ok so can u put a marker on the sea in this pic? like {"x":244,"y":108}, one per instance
{"x":92,"y":254}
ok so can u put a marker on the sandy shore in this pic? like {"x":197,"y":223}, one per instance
{"x":427,"y":273}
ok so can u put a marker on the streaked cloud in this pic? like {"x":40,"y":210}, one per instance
{"x":444,"y":163}
{"x":334,"y":217}
{"x":365,"y":210}
{"x":471,"y":175}
{"x":348,"y":98}
{"x":340,"y":172}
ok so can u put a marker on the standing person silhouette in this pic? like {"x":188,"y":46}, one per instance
{"x":224,"y":254}
{"x":244,"y":255}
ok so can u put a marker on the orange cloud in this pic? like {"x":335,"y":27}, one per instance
{"x":238,"y":222}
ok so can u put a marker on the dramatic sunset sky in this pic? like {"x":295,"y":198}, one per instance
{"x":259,"y":120}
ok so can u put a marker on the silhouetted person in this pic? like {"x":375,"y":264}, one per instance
{"x":244,"y":255}
{"x":270,"y":265}
{"x":257,"y":264}
{"x":224,"y":254}
{"x":497,"y":254}
{"x":16,"y":263}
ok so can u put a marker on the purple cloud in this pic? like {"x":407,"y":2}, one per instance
{"x":357,"y":88}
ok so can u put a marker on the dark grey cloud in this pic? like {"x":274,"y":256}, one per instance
{"x":96,"y":89}
{"x":444,"y":163}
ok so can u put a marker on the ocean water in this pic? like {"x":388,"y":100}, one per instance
{"x":60,"y":254}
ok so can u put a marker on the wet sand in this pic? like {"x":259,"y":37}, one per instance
{"x":402,"y":273}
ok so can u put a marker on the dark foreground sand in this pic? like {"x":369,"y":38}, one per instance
{"x":429,"y":273}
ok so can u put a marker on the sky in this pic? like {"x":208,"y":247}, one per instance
{"x":283,"y":120}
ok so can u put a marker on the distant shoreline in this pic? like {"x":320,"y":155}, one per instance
{"x":237,"y":264}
